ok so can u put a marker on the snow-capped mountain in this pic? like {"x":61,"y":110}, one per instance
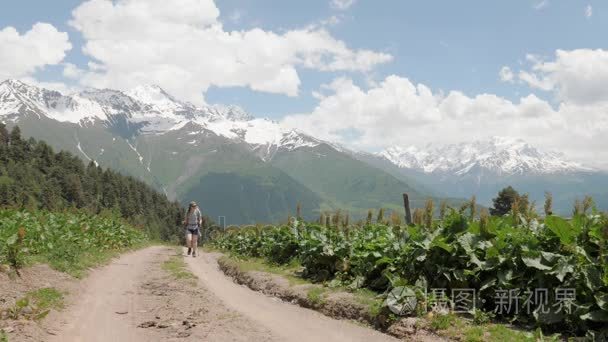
{"x":221,"y":154}
{"x":243,"y":168}
{"x":499,"y":156}
{"x":146,"y":109}
{"x":482,"y":168}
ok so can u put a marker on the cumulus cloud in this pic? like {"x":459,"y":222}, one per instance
{"x":505,"y":74}
{"x":541,"y":4}
{"x":341,"y":4}
{"x":577,"y":76}
{"x":22,"y":55}
{"x":186,"y":49}
{"x":399,"y":112}
{"x":588,"y":11}
{"x":71,"y":71}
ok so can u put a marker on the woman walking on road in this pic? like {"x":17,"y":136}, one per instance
{"x":193,"y":223}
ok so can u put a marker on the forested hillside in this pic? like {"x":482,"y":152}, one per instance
{"x":33,"y":176}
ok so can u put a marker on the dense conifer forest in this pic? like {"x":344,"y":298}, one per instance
{"x":34,"y":177}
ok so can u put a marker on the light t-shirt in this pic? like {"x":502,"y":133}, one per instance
{"x":194,"y":217}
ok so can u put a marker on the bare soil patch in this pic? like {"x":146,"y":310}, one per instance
{"x":18,"y":323}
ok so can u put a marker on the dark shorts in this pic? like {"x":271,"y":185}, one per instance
{"x":192,"y":230}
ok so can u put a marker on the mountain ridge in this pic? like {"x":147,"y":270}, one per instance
{"x":499,"y":155}
{"x":186,"y":151}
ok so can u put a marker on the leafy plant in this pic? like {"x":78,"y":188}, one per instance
{"x":62,"y":238}
{"x":489,"y":254}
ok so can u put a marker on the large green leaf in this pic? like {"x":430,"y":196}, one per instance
{"x":602,"y":300}
{"x":11,"y":240}
{"x":596,"y":316}
{"x":563,"y":267}
{"x":548,"y":315}
{"x":535,"y":263}
{"x":593,"y":278}
{"x":566,"y":232}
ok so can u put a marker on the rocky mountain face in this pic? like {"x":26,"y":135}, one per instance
{"x":244,"y":168}
{"x":254,"y":170}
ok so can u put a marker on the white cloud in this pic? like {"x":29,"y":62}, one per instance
{"x":505,"y":74}
{"x":57,"y":86}
{"x":399,"y":112}
{"x":21,"y":55}
{"x":236,"y":16}
{"x":588,"y":11}
{"x":341,"y":4}
{"x":541,"y":4}
{"x":186,"y":49}
{"x":577,"y":76}
{"x":72,"y":71}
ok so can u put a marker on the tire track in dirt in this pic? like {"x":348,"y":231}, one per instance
{"x":133,"y":299}
{"x":288,"y":322}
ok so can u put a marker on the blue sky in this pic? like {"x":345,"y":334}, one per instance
{"x":446,"y":45}
{"x":369,"y":75}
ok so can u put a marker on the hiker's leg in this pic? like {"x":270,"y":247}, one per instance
{"x":189,"y":240}
{"x":194,"y":242}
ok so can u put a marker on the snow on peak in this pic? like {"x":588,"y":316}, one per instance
{"x":154,"y":110}
{"x":501,"y":155}
{"x":18,"y":98}
{"x":293,"y":139}
{"x":232,"y":112}
{"x":156,"y":97}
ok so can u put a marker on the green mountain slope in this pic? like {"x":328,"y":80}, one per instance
{"x":225,"y":177}
{"x":344,"y":182}
{"x":267,"y":198}
{"x":35,"y":177}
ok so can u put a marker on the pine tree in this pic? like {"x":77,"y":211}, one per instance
{"x":504,"y":201}
{"x":380,"y":218}
{"x":548,"y":204}
{"x":33,"y":177}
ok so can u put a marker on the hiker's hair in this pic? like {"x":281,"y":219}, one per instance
{"x":190,"y":209}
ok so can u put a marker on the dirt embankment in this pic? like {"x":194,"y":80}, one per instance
{"x":336,"y":304}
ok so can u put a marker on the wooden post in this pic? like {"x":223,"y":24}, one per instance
{"x":408,"y":213}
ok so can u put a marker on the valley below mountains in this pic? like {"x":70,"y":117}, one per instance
{"x":253,"y":170}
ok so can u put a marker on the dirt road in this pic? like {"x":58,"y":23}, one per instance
{"x":288,"y":322}
{"x":134,"y":299}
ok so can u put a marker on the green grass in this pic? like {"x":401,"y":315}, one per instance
{"x":370,"y":300}
{"x":36,"y":304}
{"x":442,"y":322}
{"x":458,"y":328}
{"x":79,"y":267}
{"x":316,"y":295}
{"x":289,"y":271}
{"x":46,"y":298}
{"x":177,"y":268}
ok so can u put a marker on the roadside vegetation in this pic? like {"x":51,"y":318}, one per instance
{"x":57,"y":210}
{"x":69,"y":241}
{"x":34,"y":305}
{"x":542,"y":274}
